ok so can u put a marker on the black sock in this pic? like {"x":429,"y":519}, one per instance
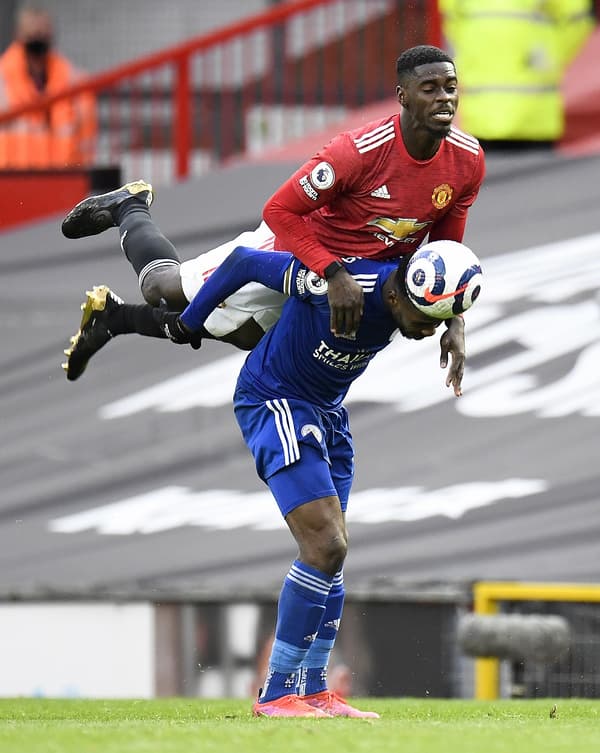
{"x":138,"y":318}
{"x":141,"y":240}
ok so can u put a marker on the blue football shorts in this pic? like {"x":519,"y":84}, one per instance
{"x":301,"y":452}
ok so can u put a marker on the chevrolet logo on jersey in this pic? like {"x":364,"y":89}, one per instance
{"x":397,"y":230}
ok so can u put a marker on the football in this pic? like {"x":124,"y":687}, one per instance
{"x":443,"y":279}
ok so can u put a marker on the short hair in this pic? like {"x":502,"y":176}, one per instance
{"x":400,"y":275}
{"x":420,"y":55}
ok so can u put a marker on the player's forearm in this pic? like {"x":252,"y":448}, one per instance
{"x":242,"y":266}
{"x":450,"y":228}
{"x":293,"y":234}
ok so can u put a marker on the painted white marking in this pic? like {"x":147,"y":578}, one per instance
{"x":225,"y":509}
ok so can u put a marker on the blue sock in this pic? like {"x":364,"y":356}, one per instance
{"x":300,"y":612}
{"x":313,"y":673}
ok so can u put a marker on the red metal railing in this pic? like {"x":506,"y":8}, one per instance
{"x":259,"y":82}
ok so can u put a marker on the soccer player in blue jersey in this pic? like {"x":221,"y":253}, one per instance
{"x":288,"y":404}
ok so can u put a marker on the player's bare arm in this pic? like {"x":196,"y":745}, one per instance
{"x":452,"y":343}
{"x":346,"y":301}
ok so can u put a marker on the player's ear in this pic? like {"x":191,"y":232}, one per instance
{"x":393,"y":297}
{"x":400,"y":94}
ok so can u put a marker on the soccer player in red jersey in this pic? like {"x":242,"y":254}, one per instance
{"x":376,"y":192}
{"x":379,"y":190}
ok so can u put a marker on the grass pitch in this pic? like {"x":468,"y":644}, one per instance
{"x":189,"y":725}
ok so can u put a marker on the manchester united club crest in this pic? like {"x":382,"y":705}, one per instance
{"x":441,"y":196}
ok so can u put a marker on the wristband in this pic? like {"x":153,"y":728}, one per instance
{"x":332,"y":269}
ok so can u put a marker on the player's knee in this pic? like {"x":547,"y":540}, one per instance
{"x":327,"y":551}
{"x":164,"y":283}
{"x":336,"y":552}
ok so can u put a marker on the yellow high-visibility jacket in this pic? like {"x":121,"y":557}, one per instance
{"x":510,"y":57}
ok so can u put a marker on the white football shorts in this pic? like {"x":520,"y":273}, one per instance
{"x":253,"y":301}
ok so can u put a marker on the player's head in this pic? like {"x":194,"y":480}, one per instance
{"x":412,"y":323}
{"x":438,"y":281}
{"x":422,"y":54}
{"x":427,"y":88}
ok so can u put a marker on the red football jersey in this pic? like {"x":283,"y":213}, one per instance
{"x":364,"y":195}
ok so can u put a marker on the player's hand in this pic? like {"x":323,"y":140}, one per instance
{"x":452,"y":343}
{"x":346,"y":303}
{"x":172,"y":326}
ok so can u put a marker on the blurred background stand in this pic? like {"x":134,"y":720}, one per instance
{"x":28,"y":195}
{"x":511,"y":58}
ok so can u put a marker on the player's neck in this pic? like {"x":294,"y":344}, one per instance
{"x":420,"y":145}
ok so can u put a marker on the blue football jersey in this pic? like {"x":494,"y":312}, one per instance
{"x":299,"y":357}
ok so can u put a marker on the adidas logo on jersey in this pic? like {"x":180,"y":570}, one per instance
{"x":381,"y":192}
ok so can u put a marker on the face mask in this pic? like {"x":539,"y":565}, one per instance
{"x":37,"y":46}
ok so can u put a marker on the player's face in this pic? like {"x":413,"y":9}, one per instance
{"x":412,"y":323}
{"x":430,"y":96}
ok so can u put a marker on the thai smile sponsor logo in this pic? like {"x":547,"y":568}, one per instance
{"x":340,"y":359}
